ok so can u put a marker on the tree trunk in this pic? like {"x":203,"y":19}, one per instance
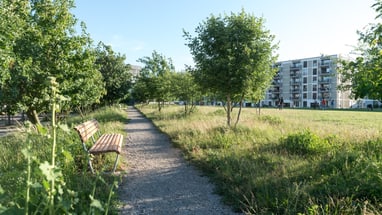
{"x":238,"y":114}
{"x":159,"y":106}
{"x":33,"y":117}
{"x":9,"y":119}
{"x":185,"y":109}
{"x":228,"y":110}
{"x":259,"y":107}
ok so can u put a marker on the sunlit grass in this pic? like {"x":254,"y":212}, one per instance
{"x":284,"y":161}
{"x":71,"y":159}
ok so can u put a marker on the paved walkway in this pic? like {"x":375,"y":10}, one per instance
{"x":159,"y":180}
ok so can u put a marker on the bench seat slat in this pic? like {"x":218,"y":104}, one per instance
{"x":107,"y":143}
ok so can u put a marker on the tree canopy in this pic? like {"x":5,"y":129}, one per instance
{"x":363,"y":75}
{"x":233,"y":56}
{"x":186,"y":90}
{"x":116,"y":74}
{"x":46,"y":44}
{"x":154,"y":82}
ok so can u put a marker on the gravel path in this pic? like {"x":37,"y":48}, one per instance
{"x":159,"y":180}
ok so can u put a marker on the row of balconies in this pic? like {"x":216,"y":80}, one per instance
{"x":299,"y":82}
{"x":296,"y":89}
{"x":297,"y":96}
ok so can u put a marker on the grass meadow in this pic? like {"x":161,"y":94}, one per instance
{"x":290,"y":161}
{"x":26,"y":174}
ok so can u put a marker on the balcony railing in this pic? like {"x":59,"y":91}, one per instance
{"x":324,"y":80}
{"x":295,"y":90}
{"x":295,"y":68}
{"x":324,"y":89}
{"x":295,"y":74}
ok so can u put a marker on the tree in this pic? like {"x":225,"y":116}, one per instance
{"x":233,"y":56}
{"x":116,"y":74}
{"x":186,"y":90}
{"x":49,"y":46}
{"x":10,"y":29}
{"x":363,"y":75}
{"x":155,"y":78}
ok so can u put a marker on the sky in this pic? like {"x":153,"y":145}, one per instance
{"x":303,"y":28}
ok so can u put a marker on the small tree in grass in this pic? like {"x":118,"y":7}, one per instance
{"x":186,"y":90}
{"x":233,"y":56}
{"x":155,"y":78}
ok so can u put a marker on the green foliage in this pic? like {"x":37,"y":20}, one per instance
{"x":233,"y":56}
{"x":186,"y":90}
{"x":363,"y":75}
{"x":46,"y":44}
{"x":266,"y":167}
{"x":154,"y":82}
{"x":304,"y":143}
{"x":273,"y":120}
{"x":116,"y":74}
{"x":74,"y":184}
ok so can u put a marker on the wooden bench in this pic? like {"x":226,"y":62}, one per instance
{"x":102,"y":143}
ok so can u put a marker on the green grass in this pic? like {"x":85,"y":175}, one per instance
{"x":287,"y":161}
{"x":76,"y":183}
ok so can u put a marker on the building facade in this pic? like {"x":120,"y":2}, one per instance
{"x":307,"y":83}
{"x":135,"y":70}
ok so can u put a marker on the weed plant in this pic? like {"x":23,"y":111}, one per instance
{"x":46,"y":172}
{"x":288,"y":161}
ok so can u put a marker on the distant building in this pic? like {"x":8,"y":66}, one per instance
{"x":135,"y":70}
{"x":307,"y":83}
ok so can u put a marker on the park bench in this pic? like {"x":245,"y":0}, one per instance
{"x":102,"y":143}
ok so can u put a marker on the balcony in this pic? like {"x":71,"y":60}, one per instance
{"x":325,"y":63}
{"x":325,"y":71}
{"x":295,"y":90}
{"x":295,"y":74}
{"x":322,"y":81}
{"x":295,"y":68}
{"x":295,"y":97}
{"x":324,"y":89}
{"x":277,"y":83}
{"x":295,"y":80}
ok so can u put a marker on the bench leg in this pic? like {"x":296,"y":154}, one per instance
{"x":115,"y":163}
{"x":90,"y":163}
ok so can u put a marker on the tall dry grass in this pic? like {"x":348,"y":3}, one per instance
{"x":286,"y":161}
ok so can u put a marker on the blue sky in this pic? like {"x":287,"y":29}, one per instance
{"x":303,"y":28}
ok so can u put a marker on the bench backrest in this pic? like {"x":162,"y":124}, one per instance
{"x":87,"y":129}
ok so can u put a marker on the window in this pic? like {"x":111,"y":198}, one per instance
{"x":314,"y":79}
{"x":305,"y":95}
{"x":305,"y":88}
{"x":305,"y":71}
{"x":314,"y":87}
{"x":314,"y":95}
{"x":315,"y":63}
{"x":315,"y":71}
{"x":305,"y":80}
{"x":305,"y":64}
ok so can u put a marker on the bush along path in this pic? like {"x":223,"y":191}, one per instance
{"x":158,"y":179}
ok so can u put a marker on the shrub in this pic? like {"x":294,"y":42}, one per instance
{"x":272,"y":120}
{"x":304,"y":143}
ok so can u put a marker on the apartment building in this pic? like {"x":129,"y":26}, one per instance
{"x":307,"y":83}
{"x":135,"y":70}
